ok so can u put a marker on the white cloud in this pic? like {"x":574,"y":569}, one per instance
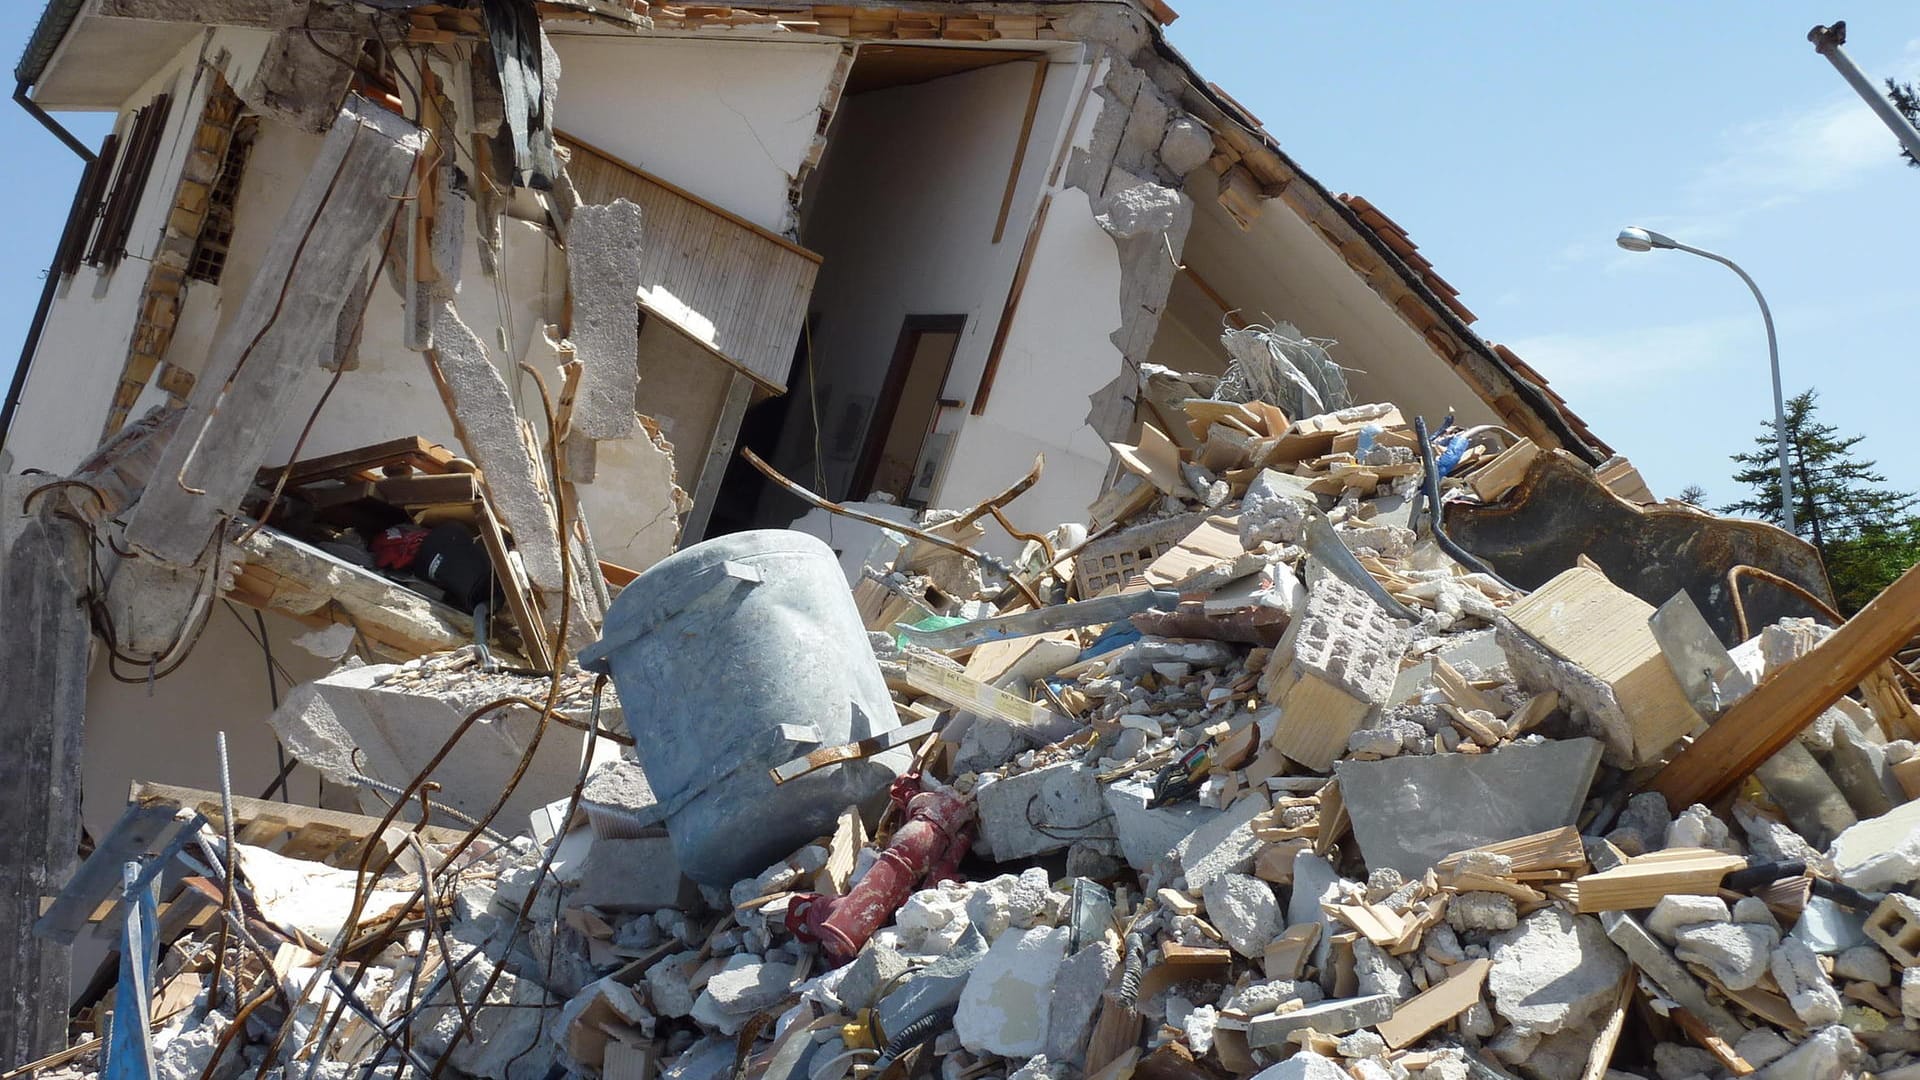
{"x":1575,"y":362}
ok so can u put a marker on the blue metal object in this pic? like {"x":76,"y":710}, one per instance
{"x":129,"y":1054}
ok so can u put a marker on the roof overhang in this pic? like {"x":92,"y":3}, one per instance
{"x":79,"y":59}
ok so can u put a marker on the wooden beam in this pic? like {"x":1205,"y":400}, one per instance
{"x":1764,"y":721}
{"x":1020,"y":145}
{"x":726,"y":431}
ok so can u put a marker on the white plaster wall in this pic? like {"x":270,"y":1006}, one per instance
{"x":907,"y":200}
{"x":731,"y":121}
{"x":1057,"y":354}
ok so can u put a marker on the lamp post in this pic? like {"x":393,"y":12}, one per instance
{"x":1635,"y":238}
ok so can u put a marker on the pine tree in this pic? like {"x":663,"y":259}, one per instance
{"x":1864,"y":531}
{"x":1694,"y":494}
{"x":1906,"y":98}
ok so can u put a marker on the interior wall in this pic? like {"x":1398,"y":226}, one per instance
{"x":731,"y":121}
{"x":908,"y":195}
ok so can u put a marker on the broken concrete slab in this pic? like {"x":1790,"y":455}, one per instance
{"x":1305,"y":1065}
{"x":603,"y":275}
{"x":267,"y":359}
{"x":1327,"y":1017}
{"x":1553,"y":972}
{"x":1411,"y":812}
{"x":618,"y":800}
{"x":1149,"y":835}
{"x":636,"y":875}
{"x":1314,"y":884}
{"x":1224,"y":845}
{"x":1041,"y":811}
{"x":1797,"y":970}
{"x":1077,"y":995}
{"x":1008,"y":997}
{"x":359,"y":721}
{"x":1736,"y":953}
{"x":1880,"y":853}
{"x":1804,"y":792}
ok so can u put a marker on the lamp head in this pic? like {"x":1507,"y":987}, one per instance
{"x":1635,"y":238}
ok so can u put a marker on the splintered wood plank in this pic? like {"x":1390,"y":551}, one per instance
{"x":1645,"y":879}
{"x":1555,"y":849}
{"x":1492,"y":481}
{"x":268,"y":358}
{"x":1435,"y":1005}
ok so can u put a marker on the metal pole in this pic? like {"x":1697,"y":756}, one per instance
{"x":1827,"y":41}
{"x":1773,"y":359}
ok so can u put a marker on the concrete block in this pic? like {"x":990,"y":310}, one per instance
{"x":633,"y":875}
{"x":1148,"y":836}
{"x":603,"y":267}
{"x":1410,"y":812}
{"x":1894,"y":925}
{"x":1482,"y":911}
{"x":1378,"y":973}
{"x":1305,"y":1065}
{"x":873,"y":969}
{"x":1737,"y":953}
{"x":1046,"y":810}
{"x":1797,"y":970}
{"x":1225,"y":845}
{"x":1333,"y":669}
{"x":1552,"y":971}
{"x":1642,"y":825}
{"x":1800,"y":786}
{"x":1761,"y":1047}
{"x":750,"y":987}
{"x":1243,"y":909}
{"x":1675,"y":913}
{"x":1880,"y":853}
{"x":1327,"y":1017}
{"x":1275,"y":508}
{"x":397,"y":731}
{"x":1910,"y":992}
{"x":1007,"y":1002}
{"x":669,"y":987}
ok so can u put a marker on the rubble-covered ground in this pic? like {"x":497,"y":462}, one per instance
{"x":1332,"y":803}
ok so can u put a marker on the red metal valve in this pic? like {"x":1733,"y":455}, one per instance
{"x":934,"y":837}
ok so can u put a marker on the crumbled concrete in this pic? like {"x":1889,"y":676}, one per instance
{"x":1244,"y":910}
{"x":1737,"y":953}
{"x":1828,"y":1054}
{"x":1141,"y":210}
{"x":1863,"y":963}
{"x":1696,"y":826}
{"x":1378,"y":973}
{"x":1361,"y":1044}
{"x":1326,"y":1017}
{"x":1186,"y":145}
{"x":1005,"y":1007}
{"x":1275,"y":508}
{"x":1076,"y":1001}
{"x":750,"y":987}
{"x":1305,"y":1065}
{"x":1552,"y":971}
{"x":1041,"y":811}
{"x":1761,"y":1047}
{"x":1482,"y":912}
{"x":1676,"y":1062}
{"x":1264,"y":997}
{"x":669,"y":986}
{"x":1680,"y":911}
{"x":1314,"y":881}
{"x":1910,"y":992}
{"x":604,"y":272}
{"x":1642,"y":825}
{"x":875,"y":967}
{"x":619,"y":801}
{"x":1797,"y":970}
{"x":1225,"y":845}
{"x":1880,"y":853}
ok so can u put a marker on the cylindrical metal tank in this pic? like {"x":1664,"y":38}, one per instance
{"x":732,"y":656}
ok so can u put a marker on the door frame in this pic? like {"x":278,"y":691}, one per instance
{"x":880,"y":421}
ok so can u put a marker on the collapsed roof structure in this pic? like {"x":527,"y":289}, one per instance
{"x":398,"y":355}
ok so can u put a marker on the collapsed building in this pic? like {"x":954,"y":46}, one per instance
{"x":1230,"y":720}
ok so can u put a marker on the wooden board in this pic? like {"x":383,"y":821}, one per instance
{"x":1764,"y":721}
{"x":1435,"y":1005}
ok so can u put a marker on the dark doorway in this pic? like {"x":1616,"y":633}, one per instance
{"x":909,"y":404}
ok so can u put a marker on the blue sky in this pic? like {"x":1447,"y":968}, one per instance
{"x":1513,"y":140}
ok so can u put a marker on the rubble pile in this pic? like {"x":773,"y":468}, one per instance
{"x":1256,"y":778}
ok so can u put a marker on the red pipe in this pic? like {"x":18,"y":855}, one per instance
{"x":934,"y":830}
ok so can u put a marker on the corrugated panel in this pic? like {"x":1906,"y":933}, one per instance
{"x":752,"y":285}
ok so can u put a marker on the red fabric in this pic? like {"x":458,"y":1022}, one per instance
{"x":396,"y":548}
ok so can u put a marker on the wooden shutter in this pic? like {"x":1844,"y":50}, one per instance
{"x":143,"y":143}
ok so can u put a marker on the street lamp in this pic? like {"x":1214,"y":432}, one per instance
{"x":1634,"y":238}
